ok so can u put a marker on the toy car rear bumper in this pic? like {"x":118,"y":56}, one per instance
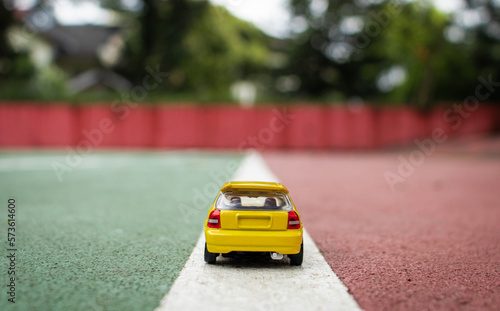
{"x":225,"y":241}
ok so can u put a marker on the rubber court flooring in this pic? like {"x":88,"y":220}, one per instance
{"x":431,"y":244}
{"x":113,"y":235}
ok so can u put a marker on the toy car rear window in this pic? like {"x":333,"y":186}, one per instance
{"x":253,"y":201}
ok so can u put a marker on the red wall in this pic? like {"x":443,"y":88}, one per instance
{"x":181,"y":126}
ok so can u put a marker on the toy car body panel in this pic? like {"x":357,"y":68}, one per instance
{"x":253,"y":217}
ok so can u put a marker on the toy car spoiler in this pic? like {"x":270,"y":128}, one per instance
{"x":254,"y":185}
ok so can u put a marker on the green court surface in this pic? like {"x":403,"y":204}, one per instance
{"x":113,"y":234}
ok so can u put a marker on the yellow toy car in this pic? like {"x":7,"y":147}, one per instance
{"x":254,"y":217}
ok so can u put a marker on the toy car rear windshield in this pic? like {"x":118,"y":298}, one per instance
{"x":260,"y":201}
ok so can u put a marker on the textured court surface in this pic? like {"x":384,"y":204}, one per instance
{"x":111,"y":236}
{"x":433,"y":244}
{"x":258,"y":284}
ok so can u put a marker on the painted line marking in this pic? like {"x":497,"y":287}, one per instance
{"x":254,"y":168}
{"x":260,"y":285}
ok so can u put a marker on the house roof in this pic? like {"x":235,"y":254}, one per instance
{"x":81,"y":40}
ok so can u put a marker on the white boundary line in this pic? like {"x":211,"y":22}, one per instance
{"x":247,"y":285}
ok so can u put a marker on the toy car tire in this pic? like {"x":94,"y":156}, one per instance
{"x":210,"y":258}
{"x":296,"y":260}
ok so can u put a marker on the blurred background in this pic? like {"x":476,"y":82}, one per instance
{"x":415,"y":55}
{"x":383,"y":52}
{"x":401,"y":83}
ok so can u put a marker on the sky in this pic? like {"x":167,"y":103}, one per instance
{"x":272,"y":16}
{"x":274,"y":19}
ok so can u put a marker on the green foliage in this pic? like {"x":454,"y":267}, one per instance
{"x":50,"y":83}
{"x":396,"y":53}
{"x":203,"y":47}
{"x":6,"y":19}
{"x":220,"y":49}
{"x":27,"y":82}
{"x":404,"y":35}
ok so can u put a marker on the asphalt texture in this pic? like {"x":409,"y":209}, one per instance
{"x":113,"y":235}
{"x":431,"y":244}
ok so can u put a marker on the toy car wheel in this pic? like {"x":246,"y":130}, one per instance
{"x":210,"y":257}
{"x":296,"y":260}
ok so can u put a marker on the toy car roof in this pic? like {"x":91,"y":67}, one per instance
{"x":254,"y":186}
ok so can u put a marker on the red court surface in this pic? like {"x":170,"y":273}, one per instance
{"x":432,"y":244}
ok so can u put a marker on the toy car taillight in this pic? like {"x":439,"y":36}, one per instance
{"x":214,"y":219}
{"x":254,"y":217}
{"x":293,"y":220}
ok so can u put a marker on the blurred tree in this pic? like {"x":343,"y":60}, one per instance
{"x":372,"y":50}
{"x":202,"y":47}
{"x":16,"y":66}
{"x":12,"y":65}
{"x":6,"y":20}
{"x":480,"y":23}
{"x":432,"y":67}
{"x":384,"y":51}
